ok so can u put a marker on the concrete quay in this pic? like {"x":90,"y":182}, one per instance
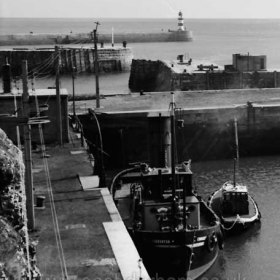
{"x":208,"y":131}
{"x":189,"y":100}
{"x":94,"y":241}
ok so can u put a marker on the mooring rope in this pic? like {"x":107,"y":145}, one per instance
{"x":231,"y":227}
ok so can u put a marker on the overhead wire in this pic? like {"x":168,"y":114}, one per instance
{"x":63,"y":265}
{"x":45,"y":63}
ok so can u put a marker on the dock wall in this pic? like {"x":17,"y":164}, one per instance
{"x":208,"y":133}
{"x":150,"y":75}
{"x":42,"y":61}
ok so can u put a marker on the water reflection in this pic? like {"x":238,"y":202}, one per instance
{"x":254,"y":254}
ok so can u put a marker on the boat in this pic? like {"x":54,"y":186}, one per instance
{"x":175,"y":232}
{"x":232,"y":203}
{"x":235,"y":207}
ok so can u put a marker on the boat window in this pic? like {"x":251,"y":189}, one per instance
{"x":156,"y":187}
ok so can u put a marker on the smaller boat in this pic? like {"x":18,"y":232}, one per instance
{"x":235,"y":207}
{"x":232,"y":203}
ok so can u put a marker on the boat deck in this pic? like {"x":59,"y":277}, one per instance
{"x":124,"y":207}
{"x":252,"y":211}
{"x":216,"y":204}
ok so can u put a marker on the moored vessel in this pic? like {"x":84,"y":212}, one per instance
{"x":232,"y":202}
{"x":174,"y":230}
{"x":235,"y":207}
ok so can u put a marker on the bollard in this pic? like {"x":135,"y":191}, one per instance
{"x":40,"y":201}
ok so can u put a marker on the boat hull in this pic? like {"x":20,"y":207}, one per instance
{"x":238,"y":223}
{"x":178,"y":254}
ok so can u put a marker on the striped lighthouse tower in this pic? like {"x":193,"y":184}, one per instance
{"x":181,"y":22}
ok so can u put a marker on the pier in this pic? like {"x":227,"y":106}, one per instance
{"x":42,"y":61}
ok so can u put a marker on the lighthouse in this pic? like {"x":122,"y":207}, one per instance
{"x":181,"y":26}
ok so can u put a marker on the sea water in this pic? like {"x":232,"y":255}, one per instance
{"x":215,"y":40}
{"x":253,"y":255}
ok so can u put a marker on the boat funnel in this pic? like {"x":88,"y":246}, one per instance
{"x":159,"y":139}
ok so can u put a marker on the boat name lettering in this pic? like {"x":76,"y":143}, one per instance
{"x":162,"y":241}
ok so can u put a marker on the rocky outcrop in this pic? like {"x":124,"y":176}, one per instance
{"x":17,"y":253}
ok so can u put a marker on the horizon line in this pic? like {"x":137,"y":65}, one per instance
{"x":135,"y":18}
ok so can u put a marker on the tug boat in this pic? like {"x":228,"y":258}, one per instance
{"x":174,"y":230}
{"x":235,"y":207}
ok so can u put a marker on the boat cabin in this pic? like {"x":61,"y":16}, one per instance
{"x":154,"y":200}
{"x":235,"y":199}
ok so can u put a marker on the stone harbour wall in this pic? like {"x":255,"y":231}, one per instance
{"x":42,"y":61}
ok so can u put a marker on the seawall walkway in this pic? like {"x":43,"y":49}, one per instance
{"x":90,"y":227}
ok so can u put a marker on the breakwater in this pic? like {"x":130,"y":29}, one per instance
{"x":160,"y":75}
{"x":42,"y":60}
{"x":83,"y":38}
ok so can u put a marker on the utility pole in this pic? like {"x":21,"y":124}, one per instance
{"x":58,"y":99}
{"x":96,"y":65}
{"x":73,"y":83}
{"x":27,"y":151}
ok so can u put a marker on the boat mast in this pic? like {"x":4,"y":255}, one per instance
{"x":172,"y":120}
{"x":236,"y":151}
{"x":236,"y":139}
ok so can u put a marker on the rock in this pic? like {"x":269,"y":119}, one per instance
{"x":14,"y":263}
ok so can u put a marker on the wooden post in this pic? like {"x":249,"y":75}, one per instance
{"x":113,"y":37}
{"x":73,"y":83}
{"x":27,"y":151}
{"x":58,"y":99}
{"x":275,"y":79}
{"x":207,"y":80}
{"x":96,"y":67}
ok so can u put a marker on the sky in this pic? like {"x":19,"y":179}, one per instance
{"x":141,"y":8}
